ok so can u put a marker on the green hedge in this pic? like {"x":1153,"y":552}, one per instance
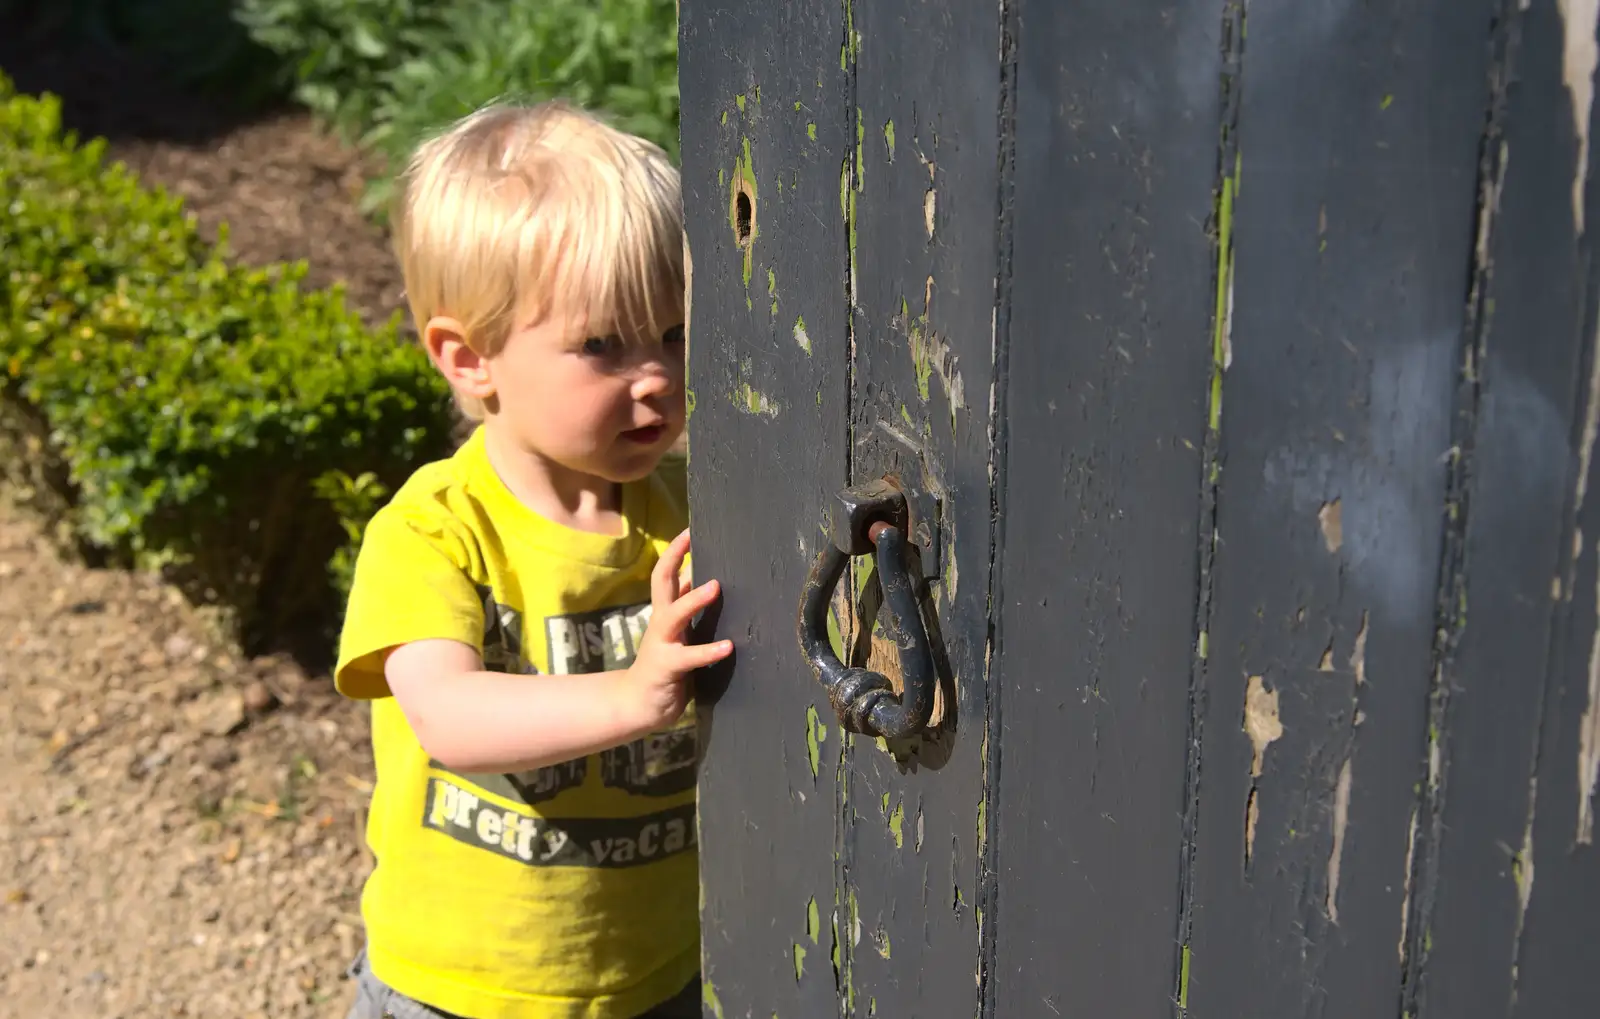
{"x":170,"y":408}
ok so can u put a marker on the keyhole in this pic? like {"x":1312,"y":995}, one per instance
{"x":742,"y":214}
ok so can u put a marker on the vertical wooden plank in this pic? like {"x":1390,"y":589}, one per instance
{"x":1345,"y":227}
{"x":1560,"y":947}
{"x":768,"y":449}
{"x":1110,"y":365}
{"x":1506,"y":828}
{"x":919,"y":194}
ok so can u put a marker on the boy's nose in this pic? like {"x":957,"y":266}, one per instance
{"x":653,"y":382}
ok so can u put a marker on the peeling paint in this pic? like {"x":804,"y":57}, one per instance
{"x":1589,"y":748}
{"x":813,"y":921}
{"x":753,"y":402}
{"x":1341,"y":819}
{"x":1183,"y":979}
{"x":885,"y":948}
{"x":816,"y":733}
{"x":1578,"y":18}
{"x":811,"y":131}
{"x":708,"y":997}
{"x":983,"y":828}
{"x":772,"y":290}
{"x":931,"y":354}
{"x":1358,"y":654}
{"x":888,"y":138}
{"x":1263,"y":726}
{"x":1578,"y":68}
{"x":1261,"y":721}
{"x":930,"y":205}
{"x":742,"y":209}
{"x":1331,"y":518}
{"x":861,"y":141}
{"x":1405,"y":897}
{"x":847,"y":211}
{"x":919,"y":828}
{"x":1522,"y":862}
{"x":897,"y":822}
{"x":799,"y":961}
{"x":1222,"y":339}
{"x":738,"y":101}
{"x":801,"y":337}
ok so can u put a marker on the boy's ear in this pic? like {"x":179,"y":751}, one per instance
{"x":465,"y":369}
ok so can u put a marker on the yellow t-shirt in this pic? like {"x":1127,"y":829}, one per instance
{"x":564,"y":893}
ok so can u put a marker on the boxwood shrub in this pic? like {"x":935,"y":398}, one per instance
{"x":168,"y":408}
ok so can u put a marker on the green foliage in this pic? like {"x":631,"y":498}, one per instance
{"x":353,"y":501}
{"x":334,"y":52}
{"x":390,"y":71}
{"x":186,"y":407}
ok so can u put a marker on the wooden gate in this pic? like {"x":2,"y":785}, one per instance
{"x":1237,"y":361}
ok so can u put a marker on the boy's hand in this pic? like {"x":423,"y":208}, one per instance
{"x":661,"y":668}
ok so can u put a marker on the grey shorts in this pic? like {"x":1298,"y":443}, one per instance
{"x":377,"y":1000}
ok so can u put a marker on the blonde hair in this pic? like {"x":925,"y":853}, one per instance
{"x":516,"y":209}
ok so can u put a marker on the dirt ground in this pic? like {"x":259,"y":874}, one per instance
{"x":181,"y":832}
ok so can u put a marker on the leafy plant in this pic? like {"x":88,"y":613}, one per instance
{"x":179,"y":410}
{"x":389,"y":71}
{"x":353,"y":501}
{"x":334,"y":52}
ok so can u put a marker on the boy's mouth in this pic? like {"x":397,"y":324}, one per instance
{"x":647,"y":436}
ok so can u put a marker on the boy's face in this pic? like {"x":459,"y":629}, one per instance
{"x":592,"y":400}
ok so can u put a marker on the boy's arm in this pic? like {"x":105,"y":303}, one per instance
{"x":471,"y":720}
{"x":476,"y":721}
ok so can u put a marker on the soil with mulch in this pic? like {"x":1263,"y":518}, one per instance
{"x":181,"y":829}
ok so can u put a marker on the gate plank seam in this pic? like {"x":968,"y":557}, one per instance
{"x":1227,"y":178}
{"x":998,"y":436}
{"x":1449,"y":611}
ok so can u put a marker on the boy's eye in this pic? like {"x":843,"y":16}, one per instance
{"x":673,"y":336}
{"x":602,"y":346}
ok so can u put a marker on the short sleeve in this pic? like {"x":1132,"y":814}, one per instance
{"x":411,"y":583}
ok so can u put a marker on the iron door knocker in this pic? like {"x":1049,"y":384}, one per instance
{"x":870,"y":519}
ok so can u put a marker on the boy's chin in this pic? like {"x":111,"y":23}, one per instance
{"x":635,"y":467}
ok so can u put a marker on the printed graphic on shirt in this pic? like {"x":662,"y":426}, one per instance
{"x":610,"y":842}
{"x":660,"y":764}
{"x":527,"y":787}
{"x":598,"y":641}
{"x":502,"y":637}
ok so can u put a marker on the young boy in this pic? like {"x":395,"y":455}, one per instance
{"x":517,"y":617}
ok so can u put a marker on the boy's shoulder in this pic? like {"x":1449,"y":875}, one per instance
{"x":428,"y":500}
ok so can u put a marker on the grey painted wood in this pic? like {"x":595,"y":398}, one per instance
{"x":1110,"y":366}
{"x":1560,"y":946}
{"x":922,"y":200}
{"x":1351,"y":236}
{"x":768,"y":435}
{"x":1251,"y":352}
{"x":1508,"y":701}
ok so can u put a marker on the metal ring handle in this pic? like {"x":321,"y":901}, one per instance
{"x":864,"y":700}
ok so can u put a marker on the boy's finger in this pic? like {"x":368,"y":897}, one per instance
{"x":679,"y":613}
{"x":663,"y":589}
{"x":698,"y":656}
